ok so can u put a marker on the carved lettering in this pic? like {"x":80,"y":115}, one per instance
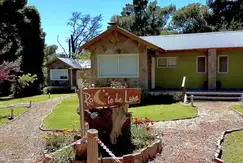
{"x":98,"y":97}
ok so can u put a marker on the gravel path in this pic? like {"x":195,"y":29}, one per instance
{"x":21,"y":140}
{"x":194,"y":141}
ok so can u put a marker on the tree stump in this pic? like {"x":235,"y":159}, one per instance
{"x":114,"y":126}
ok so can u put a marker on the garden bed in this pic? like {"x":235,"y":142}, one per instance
{"x":146,"y":145}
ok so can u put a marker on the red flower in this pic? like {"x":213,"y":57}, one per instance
{"x":148,"y":129}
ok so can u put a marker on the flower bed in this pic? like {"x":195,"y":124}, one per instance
{"x":146,"y":144}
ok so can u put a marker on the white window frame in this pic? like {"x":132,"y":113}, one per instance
{"x":98,"y":63}
{"x":167,"y":62}
{"x":203,"y":56}
{"x":53,"y":70}
{"x":227,"y":64}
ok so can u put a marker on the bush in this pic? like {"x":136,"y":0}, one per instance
{"x":55,"y":141}
{"x":57,"y":90}
{"x":168,"y":98}
{"x":20,"y":87}
{"x":142,"y":136}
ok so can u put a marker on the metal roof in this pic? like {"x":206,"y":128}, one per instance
{"x":208,"y":40}
{"x":75,"y":63}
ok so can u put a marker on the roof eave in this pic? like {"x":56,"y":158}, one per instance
{"x":86,"y":46}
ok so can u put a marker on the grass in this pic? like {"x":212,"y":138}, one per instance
{"x":5,"y":114}
{"x":164,"y":112}
{"x":65,"y":115}
{"x":238,"y":108}
{"x":233,"y":148}
{"x":39,"y":98}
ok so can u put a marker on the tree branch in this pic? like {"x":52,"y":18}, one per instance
{"x":61,"y":45}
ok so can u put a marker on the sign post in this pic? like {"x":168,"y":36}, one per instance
{"x":81,"y":106}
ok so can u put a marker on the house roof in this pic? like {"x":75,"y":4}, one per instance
{"x":124,"y":32}
{"x":73,"y":63}
{"x":76,"y":63}
{"x":230,"y":39}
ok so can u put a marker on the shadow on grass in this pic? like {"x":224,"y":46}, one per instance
{"x":4,"y":117}
{"x":162,"y":99}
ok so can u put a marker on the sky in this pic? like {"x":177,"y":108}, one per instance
{"x":56,"y":13}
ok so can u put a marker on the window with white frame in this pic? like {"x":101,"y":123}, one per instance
{"x":167,"y":62}
{"x":201,"y":64}
{"x":118,"y":65}
{"x":59,"y":74}
{"x":223,"y":64}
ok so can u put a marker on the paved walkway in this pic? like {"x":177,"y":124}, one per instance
{"x":21,"y":140}
{"x":194,"y":141}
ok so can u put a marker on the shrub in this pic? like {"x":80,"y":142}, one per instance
{"x":55,"y":141}
{"x":168,"y":98}
{"x":142,"y":134}
{"x":57,"y":90}
{"x":18,"y":87}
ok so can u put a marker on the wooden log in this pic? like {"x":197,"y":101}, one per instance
{"x":81,"y":106}
{"x":92,"y":151}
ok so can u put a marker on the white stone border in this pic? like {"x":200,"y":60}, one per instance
{"x":219,"y":150}
{"x":41,"y":127}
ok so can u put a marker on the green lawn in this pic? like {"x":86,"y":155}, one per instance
{"x":39,"y":98}
{"x":164,"y":112}
{"x":65,"y":116}
{"x":238,"y":108}
{"x":5,"y":113}
{"x":233,"y":148}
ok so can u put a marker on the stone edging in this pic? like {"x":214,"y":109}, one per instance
{"x":29,"y":108}
{"x":41,"y":127}
{"x":143,"y":156}
{"x":218,"y":153}
{"x":10,"y":121}
{"x":236,"y":111}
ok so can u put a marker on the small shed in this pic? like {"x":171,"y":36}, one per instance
{"x":65,"y":72}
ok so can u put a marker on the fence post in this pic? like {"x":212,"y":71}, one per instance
{"x":183,"y":88}
{"x":192,"y":100}
{"x":92,"y":149}
{"x":49,"y":96}
{"x":81,"y":106}
{"x":241,"y":99}
{"x":11,"y":113}
{"x":30,"y":104}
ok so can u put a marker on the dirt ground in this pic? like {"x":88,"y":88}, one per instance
{"x":194,"y":140}
{"x":21,"y":141}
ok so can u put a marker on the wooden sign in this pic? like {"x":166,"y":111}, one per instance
{"x":100,"y":97}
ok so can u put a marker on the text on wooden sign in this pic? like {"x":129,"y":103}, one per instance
{"x":99,"y":97}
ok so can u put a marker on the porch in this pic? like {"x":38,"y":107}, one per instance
{"x":199,"y":94}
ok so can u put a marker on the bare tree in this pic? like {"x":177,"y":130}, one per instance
{"x":83,"y":28}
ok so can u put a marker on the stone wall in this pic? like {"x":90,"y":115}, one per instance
{"x":116,"y":43}
{"x":212,"y":69}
